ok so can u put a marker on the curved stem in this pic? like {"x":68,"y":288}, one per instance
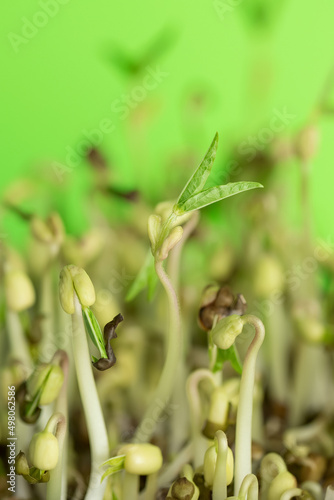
{"x":169,"y":372}
{"x":271,"y":466}
{"x":97,"y":431}
{"x":294,"y":492}
{"x":219,"y":488}
{"x":315,"y":489}
{"x":243,"y":438}
{"x":249,"y":488}
{"x":175,"y":254}
{"x":195,"y":409}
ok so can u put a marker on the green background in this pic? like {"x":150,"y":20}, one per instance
{"x":63,"y":80}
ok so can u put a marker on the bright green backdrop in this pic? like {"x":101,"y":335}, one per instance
{"x":63,"y":82}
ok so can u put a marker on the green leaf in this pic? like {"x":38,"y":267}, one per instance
{"x":229,"y":354}
{"x":94,"y":331}
{"x":216,"y":193}
{"x":116,"y":465}
{"x":200,"y":176}
{"x":34,"y":403}
{"x":145,"y":278}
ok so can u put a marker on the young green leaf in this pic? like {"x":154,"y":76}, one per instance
{"x":94,"y":331}
{"x":216,"y":193}
{"x":32,"y":406}
{"x":229,"y":354}
{"x":145,"y":278}
{"x":116,"y":465}
{"x":200,"y":176}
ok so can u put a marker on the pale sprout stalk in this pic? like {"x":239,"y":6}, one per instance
{"x":179,"y":419}
{"x":130,"y":486}
{"x":173,"y":469}
{"x":224,"y":336}
{"x":293,"y":493}
{"x":171,"y":366}
{"x":97,"y":431}
{"x":330,"y":493}
{"x":199,"y":442}
{"x":219,"y":489}
{"x":249,"y":488}
{"x":243,"y":439}
{"x":271,"y":466}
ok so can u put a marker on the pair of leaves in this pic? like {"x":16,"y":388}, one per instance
{"x":230,"y":355}
{"x":30,"y":410}
{"x":116,"y":464}
{"x":145,"y":278}
{"x":94,"y":331}
{"x":192,"y":197}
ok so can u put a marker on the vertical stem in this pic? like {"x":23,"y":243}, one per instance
{"x":130,"y":486}
{"x":179,"y":420}
{"x":97,"y":431}
{"x":278,"y":354}
{"x":171,"y":366}
{"x":219,"y":488}
{"x":18,"y":346}
{"x":47,"y":346}
{"x":173,"y":469}
{"x":243,"y":438}
{"x":151,"y":486}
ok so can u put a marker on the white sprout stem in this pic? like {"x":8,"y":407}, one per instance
{"x":130,"y":486}
{"x":195,"y":410}
{"x":151,"y":486}
{"x":329,"y":493}
{"x":172,"y":470}
{"x":47,"y":345}
{"x":97,"y":431}
{"x":179,"y":420}
{"x":175,"y":254}
{"x":272,"y":464}
{"x":219,"y":488}
{"x":310,"y":376}
{"x":18,"y":346}
{"x":305,"y":433}
{"x":243,"y":438}
{"x":170,"y":370}
{"x":278,"y":354}
{"x":249,"y":488}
